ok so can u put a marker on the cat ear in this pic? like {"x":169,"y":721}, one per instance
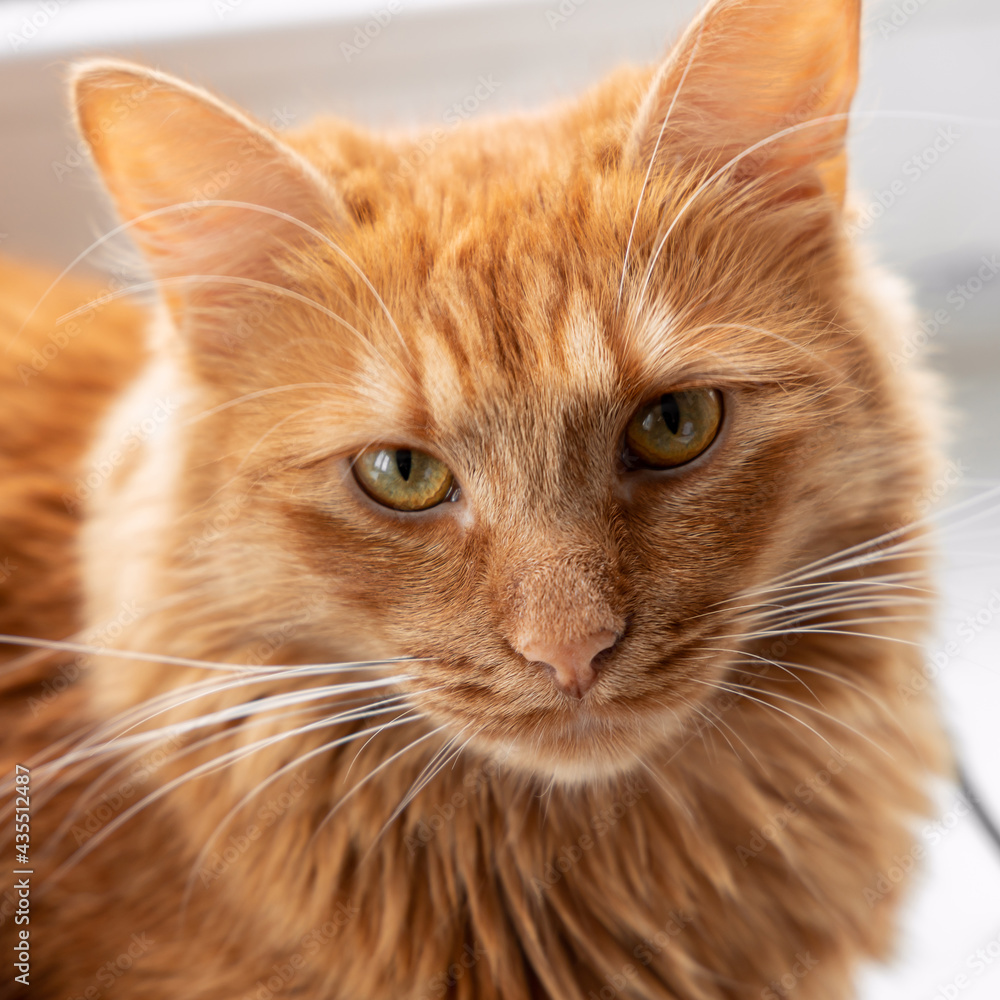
{"x":159,"y":142}
{"x":747,"y":71}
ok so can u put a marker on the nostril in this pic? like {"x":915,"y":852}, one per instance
{"x":574,"y":663}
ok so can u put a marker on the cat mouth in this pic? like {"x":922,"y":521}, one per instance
{"x":583,"y":748}
{"x":632,"y":712}
{"x":577,"y":741}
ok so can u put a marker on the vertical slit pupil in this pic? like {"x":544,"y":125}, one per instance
{"x":404,"y":462}
{"x":670,"y":412}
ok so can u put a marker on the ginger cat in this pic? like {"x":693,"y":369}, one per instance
{"x":498,"y":579}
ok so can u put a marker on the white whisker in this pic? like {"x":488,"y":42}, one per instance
{"x":209,"y":767}
{"x":652,"y":157}
{"x":410,"y":716}
{"x":213,"y":203}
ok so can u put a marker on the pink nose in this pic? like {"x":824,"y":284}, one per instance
{"x":572,"y":662}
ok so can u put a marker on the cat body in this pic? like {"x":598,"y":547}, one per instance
{"x":649,"y":730}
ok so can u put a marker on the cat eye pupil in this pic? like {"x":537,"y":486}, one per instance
{"x":672,"y":429}
{"x":403,"y":478}
{"x":670,"y":412}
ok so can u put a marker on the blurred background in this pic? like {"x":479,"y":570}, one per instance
{"x":925,"y":154}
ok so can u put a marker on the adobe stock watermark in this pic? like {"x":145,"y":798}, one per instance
{"x":444,"y":812}
{"x":899,"y":16}
{"x":69,"y":672}
{"x":812,"y":107}
{"x":260,"y":650}
{"x":215,"y":527}
{"x":958,"y":297}
{"x":216,"y":186}
{"x":251,"y":319}
{"x":457,"y":113}
{"x":31,"y":26}
{"x":805,"y":793}
{"x":443,"y":982}
{"x":646,"y":952}
{"x":110,"y":803}
{"x":615,"y":983}
{"x":125,"y":102}
{"x":365,"y":34}
{"x":59,"y":338}
{"x":789,"y":981}
{"x":601,"y":824}
{"x":911,"y":172}
{"x":932,"y":834}
{"x":953,"y":475}
{"x":562,"y":12}
{"x":267,"y":645}
{"x":223,"y":8}
{"x":107,"y":976}
{"x":968,"y":630}
{"x":131,"y":439}
{"x":700,"y":724}
{"x":265,"y":817}
{"x":282,"y":974}
{"x":895,"y":535}
{"x":978,"y":963}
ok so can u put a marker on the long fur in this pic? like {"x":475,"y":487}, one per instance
{"x":304,"y":757}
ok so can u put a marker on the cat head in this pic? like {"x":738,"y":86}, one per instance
{"x":535,"y":412}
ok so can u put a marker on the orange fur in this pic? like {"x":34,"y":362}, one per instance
{"x":711,"y":812}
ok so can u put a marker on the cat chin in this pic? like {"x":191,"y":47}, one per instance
{"x":570,"y":773}
{"x":567,"y":769}
{"x":585,"y":751}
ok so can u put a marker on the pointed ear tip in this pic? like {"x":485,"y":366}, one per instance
{"x":97,"y":70}
{"x":89,"y":77}
{"x":845,"y":11}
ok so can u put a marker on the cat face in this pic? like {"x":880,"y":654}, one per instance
{"x":539,"y":414}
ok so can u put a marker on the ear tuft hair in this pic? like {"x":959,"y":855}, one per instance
{"x":167,"y":151}
{"x":765,"y":86}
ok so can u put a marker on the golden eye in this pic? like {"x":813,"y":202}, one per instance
{"x":403,"y":478}
{"x":673,"y":428}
